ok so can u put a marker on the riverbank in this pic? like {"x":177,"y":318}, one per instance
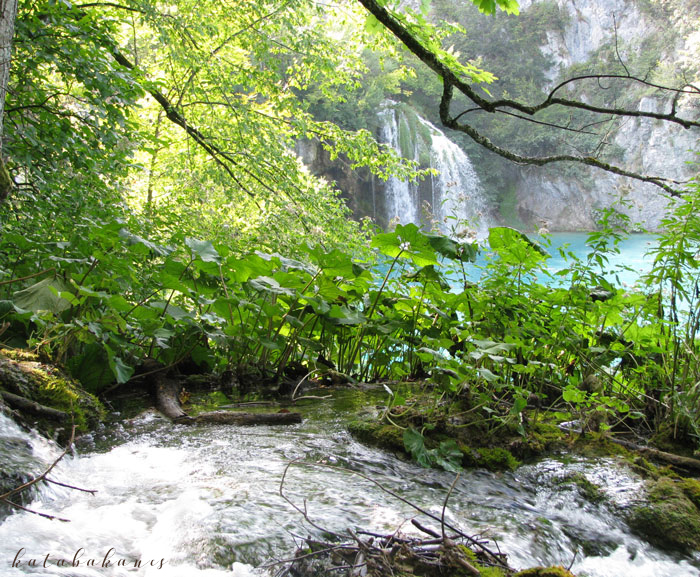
{"x":207,"y":499}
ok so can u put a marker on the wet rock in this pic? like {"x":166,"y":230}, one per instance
{"x":667,"y":518}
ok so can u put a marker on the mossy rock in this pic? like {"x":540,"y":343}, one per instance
{"x":588,"y":490}
{"x":669,"y":517}
{"x":48,"y":386}
{"x":691,"y":489}
{"x":545,"y":572}
{"x":377,"y":434}
{"x":541,"y":438}
{"x":493,"y":459}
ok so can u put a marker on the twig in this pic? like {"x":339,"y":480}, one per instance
{"x":444,"y":505}
{"x":304,"y":556}
{"x":45,"y":515}
{"x":303,"y":512}
{"x":91,"y":491}
{"x":306,"y":376}
{"x":426,"y":530}
{"x":48,"y":270}
{"x":41,"y":477}
{"x":496,"y":557}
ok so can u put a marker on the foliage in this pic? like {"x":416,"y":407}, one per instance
{"x":114,"y":297}
{"x":129,"y":239}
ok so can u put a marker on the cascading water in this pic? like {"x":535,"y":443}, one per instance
{"x":452,"y":200}
{"x":205,"y":501}
{"x":401,"y":196}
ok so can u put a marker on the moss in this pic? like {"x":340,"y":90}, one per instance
{"x":668,"y":517}
{"x":493,"y":459}
{"x":48,"y":386}
{"x":674,"y":438}
{"x":19,"y":355}
{"x":589,"y":490}
{"x":378,"y":434}
{"x":541,"y":438}
{"x":691,"y":489}
{"x":545,"y":572}
{"x":210,"y":402}
{"x":491,"y":572}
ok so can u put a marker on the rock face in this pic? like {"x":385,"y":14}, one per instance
{"x":451,"y":201}
{"x":559,"y":202}
{"x":361,"y":190}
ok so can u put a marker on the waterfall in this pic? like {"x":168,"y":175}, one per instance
{"x":451,"y":201}
{"x":401,"y":196}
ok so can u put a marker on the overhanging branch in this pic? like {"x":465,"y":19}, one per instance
{"x":479,"y":138}
{"x":452,"y":80}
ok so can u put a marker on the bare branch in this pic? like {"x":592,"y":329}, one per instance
{"x":429,"y":58}
{"x":5,"y":497}
{"x":617,"y":50}
{"x":479,"y":138}
{"x":495,"y":557}
{"x":33,"y":512}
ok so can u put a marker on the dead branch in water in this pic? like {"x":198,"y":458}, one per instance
{"x":379,"y":555}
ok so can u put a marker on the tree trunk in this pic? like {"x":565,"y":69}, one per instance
{"x":8,"y":12}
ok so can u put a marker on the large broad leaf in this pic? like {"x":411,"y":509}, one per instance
{"x":43,"y":296}
{"x":91,"y":368}
{"x":449,"y":248}
{"x":249,"y":266}
{"x":135,"y":240}
{"x":514,"y":247}
{"x":449,"y":456}
{"x":407,"y":241}
{"x":342,"y":315}
{"x":204,"y":249}
{"x":287,"y":263}
{"x":120,"y":369}
{"x":415,"y":445}
{"x":174,"y":311}
{"x":427,"y":274}
{"x":269,"y":285}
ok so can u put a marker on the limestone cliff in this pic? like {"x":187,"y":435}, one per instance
{"x":560,"y":202}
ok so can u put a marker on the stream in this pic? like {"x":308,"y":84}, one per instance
{"x":204,"y":501}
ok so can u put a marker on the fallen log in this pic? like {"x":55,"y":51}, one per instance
{"x":24,"y":404}
{"x":244,"y":419}
{"x":687,"y":463}
{"x":168,"y":402}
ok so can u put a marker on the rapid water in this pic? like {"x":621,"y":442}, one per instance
{"x":205,"y":501}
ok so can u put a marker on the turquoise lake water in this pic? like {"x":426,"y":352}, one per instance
{"x":627,"y":265}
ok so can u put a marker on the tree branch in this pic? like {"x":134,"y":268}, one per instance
{"x":542,"y":160}
{"x":451,"y":80}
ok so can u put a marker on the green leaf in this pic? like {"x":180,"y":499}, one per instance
{"x":43,"y":296}
{"x":415,"y":445}
{"x":449,"y":456}
{"x":122,"y":372}
{"x":514,"y":247}
{"x":519,"y":405}
{"x":204,"y":249}
{"x":449,"y":248}
{"x":133,"y":239}
{"x":407,"y":241}
{"x":487,"y":375}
